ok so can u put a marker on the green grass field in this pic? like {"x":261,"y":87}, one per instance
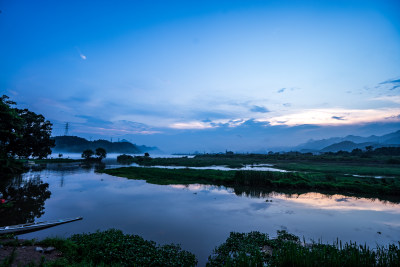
{"x":386,"y":189}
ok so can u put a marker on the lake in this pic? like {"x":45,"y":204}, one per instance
{"x":200,"y":217}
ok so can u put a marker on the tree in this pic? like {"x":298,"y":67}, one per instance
{"x":369,"y":148}
{"x":101,"y":153}
{"x":10,"y":127}
{"x":35,"y":135}
{"x":23,"y":133}
{"x":356,"y":151}
{"x":87,"y":154}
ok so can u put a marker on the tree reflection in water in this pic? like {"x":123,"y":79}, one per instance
{"x":265,"y":192}
{"x":25,"y":199}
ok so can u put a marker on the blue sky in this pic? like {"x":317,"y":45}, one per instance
{"x":205,"y":75}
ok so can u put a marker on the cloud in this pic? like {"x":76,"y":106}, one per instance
{"x":334,"y":116}
{"x":80,"y":53}
{"x":396,"y":117}
{"x":100,"y":127}
{"x":190,"y":125}
{"x":259,"y":109}
{"x":285,"y":89}
{"x":391,"y":81}
{"x":393,"y":84}
{"x":93,"y":120}
{"x":338,"y":118}
{"x":394,"y":98}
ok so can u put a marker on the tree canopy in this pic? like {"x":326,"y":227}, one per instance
{"x":100,"y":152}
{"x":23,"y":133}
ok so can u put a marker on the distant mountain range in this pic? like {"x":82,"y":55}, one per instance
{"x":75,"y":144}
{"x":349,"y":143}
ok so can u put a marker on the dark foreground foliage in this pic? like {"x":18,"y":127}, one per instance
{"x":112,"y":248}
{"x":256,"y":249}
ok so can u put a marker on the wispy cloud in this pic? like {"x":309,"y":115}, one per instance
{"x":338,"y":118}
{"x":81,"y":54}
{"x":394,"y":98}
{"x":259,"y":109}
{"x":391,"y":84}
{"x":334,"y":116}
{"x":391,"y":81}
{"x":198,"y":125}
{"x":281,"y":90}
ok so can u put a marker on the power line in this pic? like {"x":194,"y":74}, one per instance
{"x":66,"y":129}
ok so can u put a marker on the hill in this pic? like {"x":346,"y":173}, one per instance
{"x":75,"y":144}
{"x":349,"y":143}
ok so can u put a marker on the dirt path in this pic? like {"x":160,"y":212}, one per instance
{"x":24,"y":255}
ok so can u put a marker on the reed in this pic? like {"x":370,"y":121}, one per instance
{"x":287,"y":250}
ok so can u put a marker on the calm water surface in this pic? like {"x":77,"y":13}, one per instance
{"x":200,"y":217}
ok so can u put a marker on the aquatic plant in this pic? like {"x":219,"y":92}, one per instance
{"x":256,"y":249}
{"x":125,"y":159}
{"x":114,"y":247}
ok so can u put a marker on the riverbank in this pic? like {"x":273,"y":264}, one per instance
{"x":355,"y":165}
{"x":106,"y":248}
{"x":113,"y":248}
{"x":51,"y":160}
{"x":384,"y":189}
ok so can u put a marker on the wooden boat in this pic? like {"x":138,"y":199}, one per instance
{"x":32,"y":227}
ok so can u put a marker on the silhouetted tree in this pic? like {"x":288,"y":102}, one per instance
{"x":34,"y":139}
{"x":10,"y":127}
{"x":101,"y":153}
{"x":369,"y":148}
{"x":87,"y":154}
{"x":356,"y":151}
{"x":23,"y":133}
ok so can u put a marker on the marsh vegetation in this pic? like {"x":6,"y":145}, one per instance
{"x":267,"y":181}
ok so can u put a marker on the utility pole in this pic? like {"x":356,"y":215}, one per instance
{"x":66,"y":129}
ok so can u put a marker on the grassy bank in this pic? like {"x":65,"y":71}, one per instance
{"x":375,"y":169}
{"x":257,"y":249}
{"x":377,"y":166}
{"x":173,"y":176}
{"x":202,"y":161}
{"x":108,"y":248}
{"x":385,"y":189}
{"x":113,"y":248}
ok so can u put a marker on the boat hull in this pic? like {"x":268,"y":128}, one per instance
{"x":32,"y":227}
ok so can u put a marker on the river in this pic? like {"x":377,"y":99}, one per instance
{"x":200,"y":217}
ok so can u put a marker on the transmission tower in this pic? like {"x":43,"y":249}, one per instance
{"x":66,"y":129}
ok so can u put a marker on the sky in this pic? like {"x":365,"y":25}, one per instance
{"x":205,"y":75}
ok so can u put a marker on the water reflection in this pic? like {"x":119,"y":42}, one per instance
{"x":25,"y":199}
{"x":311,"y":199}
{"x":340,"y":202}
{"x":200,"y":217}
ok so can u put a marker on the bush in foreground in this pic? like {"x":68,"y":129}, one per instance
{"x":256,"y":249}
{"x":113,"y":248}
